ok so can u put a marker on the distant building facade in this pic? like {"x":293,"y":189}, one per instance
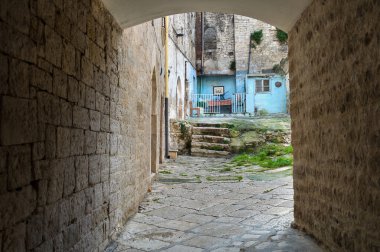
{"x":237,"y":73}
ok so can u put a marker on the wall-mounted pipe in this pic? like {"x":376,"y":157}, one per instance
{"x":166,"y":87}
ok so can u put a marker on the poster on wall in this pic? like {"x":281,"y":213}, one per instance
{"x":218,"y":90}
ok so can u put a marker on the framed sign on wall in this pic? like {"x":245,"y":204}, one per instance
{"x":218,"y":90}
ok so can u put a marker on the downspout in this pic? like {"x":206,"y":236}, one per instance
{"x":166,"y":87}
{"x":249,"y":54}
{"x":203,"y":45}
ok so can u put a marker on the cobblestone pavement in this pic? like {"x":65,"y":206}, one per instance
{"x":197,"y":204}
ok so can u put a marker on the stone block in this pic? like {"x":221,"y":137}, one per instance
{"x":46,"y":11}
{"x":63,"y":142}
{"x":68,"y":60}
{"x":22,"y":46}
{"x":78,"y":206}
{"x":70,"y":236}
{"x":104,"y":122}
{"x":19,"y":166}
{"x":78,"y":38}
{"x":64,"y":212}
{"x":72,"y":89}
{"x":42,"y":186}
{"x":82,"y":17}
{"x":20,"y":204}
{"x":94,"y":171}
{"x":89,"y":200}
{"x":38,"y":150}
{"x":42,"y":79}
{"x":48,"y":108}
{"x":14,"y":238}
{"x":81,"y":173}
{"x":98,"y":195}
{"x":90,"y":98}
{"x":51,"y":142}
{"x":77,"y":141}
{"x":66,"y":113}
{"x":104,"y":163}
{"x":82,"y":94}
{"x":16,"y":14}
{"x":19,"y":78}
{"x":102,"y":103}
{"x":87,"y":71}
{"x":94,"y":120}
{"x":4,"y":73}
{"x":62,"y":25}
{"x":53,"y":47}
{"x":81,"y":117}
{"x":18,"y":121}
{"x":89,"y":142}
{"x":113,"y":144}
{"x":56,"y":177}
{"x":59,"y":83}
{"x":34,"y":230}
{"x":51,"y":221}
{"x":101,"y":143}
{"x":69,"y":180}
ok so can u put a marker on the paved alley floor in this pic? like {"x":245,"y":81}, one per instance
{"x":196,"y":204}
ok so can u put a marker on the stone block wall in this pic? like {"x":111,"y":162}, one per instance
{"x":268,"y":53}
{"x":74,"y":127}
{"x":218,"y":38}
{"x":335,"y":109}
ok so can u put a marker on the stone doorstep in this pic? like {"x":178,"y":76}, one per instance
{"x":225,"y":132}
{"x":208,"y":153}
{"x":209,"y":146}
{"x":210,"y":139}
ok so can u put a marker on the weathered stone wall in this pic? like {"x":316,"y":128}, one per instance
{"x":75,"y":123}
{"x":219,"y":51}
{"x":268,"y":53}
{"x":182,"y":73}
{"x":335,"y":108}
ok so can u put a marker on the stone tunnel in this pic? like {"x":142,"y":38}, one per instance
{"x":74,"y":117}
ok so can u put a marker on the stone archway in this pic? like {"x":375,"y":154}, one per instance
{"x":130,"y":12}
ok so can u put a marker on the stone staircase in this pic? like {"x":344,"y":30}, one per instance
{"x":210,"y":140}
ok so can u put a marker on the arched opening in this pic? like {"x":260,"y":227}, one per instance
{"x":155,"y":129}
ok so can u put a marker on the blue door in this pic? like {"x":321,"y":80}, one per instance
{"x":266,"y":94}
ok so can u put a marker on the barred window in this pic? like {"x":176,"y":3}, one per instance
{"x":262,"y":86}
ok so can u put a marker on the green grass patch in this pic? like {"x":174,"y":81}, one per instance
{"x":183,"y":174}
{"x":165,"y":172}
{"x":268,"y":156}
{"x":226,"y":169}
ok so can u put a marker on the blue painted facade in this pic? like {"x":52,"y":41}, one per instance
{"x":272,"y":101}
{"x":206,"y":84}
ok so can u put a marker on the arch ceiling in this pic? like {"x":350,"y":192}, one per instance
{"x":280,"y":13}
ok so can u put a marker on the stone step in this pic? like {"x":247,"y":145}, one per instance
{"x":211,"y":146}
{"x":211,"y":131}
{"x":210,"y":139}
{"x":208,"y":153}
{"x":213,"y":125}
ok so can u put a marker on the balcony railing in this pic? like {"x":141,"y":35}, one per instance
{"x":215,"y":104}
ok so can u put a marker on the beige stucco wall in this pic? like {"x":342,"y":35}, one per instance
{"x":335,"y":109}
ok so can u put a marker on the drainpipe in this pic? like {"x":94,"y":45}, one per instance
{"x":166,"y":87}
{"x":249,"y":54}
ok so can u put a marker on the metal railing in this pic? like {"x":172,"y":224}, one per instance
{"x":238,"y":103}
{"x":214,"y":104}
{"x":208,"y":102}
